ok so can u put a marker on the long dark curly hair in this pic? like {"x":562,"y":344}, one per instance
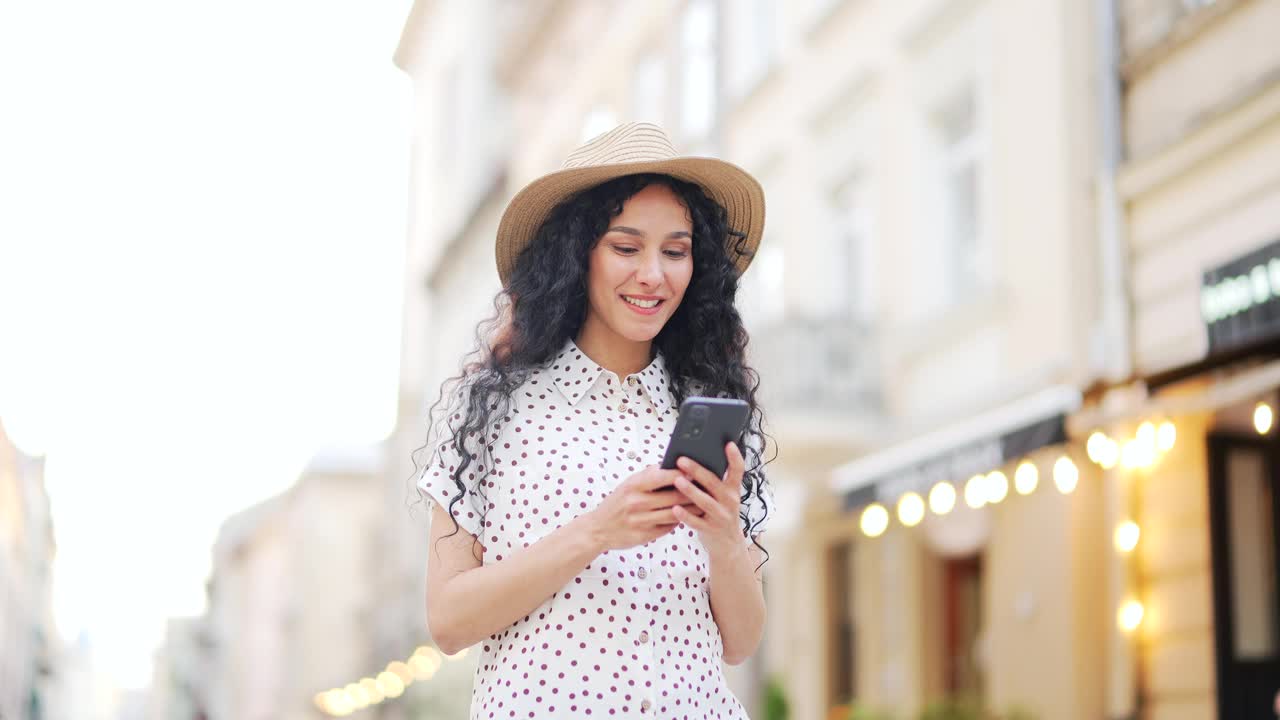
{"x":545,"y":303}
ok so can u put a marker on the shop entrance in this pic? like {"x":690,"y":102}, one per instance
{"x":1244,"y":514}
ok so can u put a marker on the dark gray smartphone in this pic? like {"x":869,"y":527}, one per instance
{"x":705,"y":425}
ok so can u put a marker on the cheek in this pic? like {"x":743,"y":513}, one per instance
{"x":679,"y":278}
{"x":598,"y":272}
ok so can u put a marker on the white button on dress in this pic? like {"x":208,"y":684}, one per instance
{"x":605,"y":645}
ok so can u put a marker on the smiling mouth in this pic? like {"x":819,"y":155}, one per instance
{"x":642,"y":304}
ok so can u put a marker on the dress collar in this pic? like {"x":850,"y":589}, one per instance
{"x":575,"y":374}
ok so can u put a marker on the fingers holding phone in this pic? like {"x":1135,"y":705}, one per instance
{"x":638,"y":510}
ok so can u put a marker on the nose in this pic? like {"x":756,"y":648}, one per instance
{"x":649,"y":272}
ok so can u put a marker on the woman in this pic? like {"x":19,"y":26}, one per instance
{"x":593,"y":591}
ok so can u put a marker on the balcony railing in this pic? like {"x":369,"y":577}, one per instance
{"x":818,"y":364}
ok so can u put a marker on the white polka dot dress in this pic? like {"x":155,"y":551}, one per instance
{"x":632,"y":636}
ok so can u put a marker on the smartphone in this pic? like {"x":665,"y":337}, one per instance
{"x":705,"y":425}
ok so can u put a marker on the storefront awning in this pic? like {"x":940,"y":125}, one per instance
{"x":977,"y":445}
{"x":1230,"y":386}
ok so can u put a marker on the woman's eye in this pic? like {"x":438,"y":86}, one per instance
{"x":625,"y":250}
{"x":677,"y":254}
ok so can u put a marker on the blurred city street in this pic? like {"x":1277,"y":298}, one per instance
{"x":1016,"y":316}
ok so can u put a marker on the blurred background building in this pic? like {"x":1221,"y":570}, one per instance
{"x":28,"y":639}
{"x":1017,"y":317}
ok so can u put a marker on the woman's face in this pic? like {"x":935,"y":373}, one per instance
{"x":641,"y":266}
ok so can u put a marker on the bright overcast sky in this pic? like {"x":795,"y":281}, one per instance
{"x":202,"y":212}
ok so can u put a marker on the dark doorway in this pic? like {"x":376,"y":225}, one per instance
{"x":962,"y":624}
{"x":1244,"y":520}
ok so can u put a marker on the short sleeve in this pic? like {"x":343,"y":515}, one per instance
{"x":436,"y":483}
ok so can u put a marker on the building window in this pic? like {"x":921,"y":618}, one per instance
{"x":764,"y":287}
{"x":854,"y":251}
{"x":698,"y":79}
{"x":958,"y":172}
{"x":648,"y":90}
{"x":753,"y":43}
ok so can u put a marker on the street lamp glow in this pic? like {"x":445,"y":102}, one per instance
{"x":1263,"y":417}
{"x":1026,"y":478}
{"x":942,"y":498}
{"x":390,"y":684}
{"x":359,"y":697}
{"x":910,"y":509}
{"x":424,"y":666}
{"x":975,"y":491}
{"x":1130,"y":616}
{"x":401,"y":671}
{"x":371,"y":689}
{"x":1127,"y":535}
{"x":1147,"y":433}
{"x":1097,"y":445}
{"x":1065,"y":475}
{"x":1110,"y":454}
{"x":997,"y":487}
{"x":875,"y":520}
{"x":1166,"y":436}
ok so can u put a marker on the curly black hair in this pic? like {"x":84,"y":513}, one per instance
{"x":545,"y":304}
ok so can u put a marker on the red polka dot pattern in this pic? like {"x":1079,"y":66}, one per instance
{"x":632,"y":635}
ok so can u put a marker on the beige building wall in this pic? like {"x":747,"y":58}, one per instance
{"x":1202,"y":187}
{"x":860,"y":92}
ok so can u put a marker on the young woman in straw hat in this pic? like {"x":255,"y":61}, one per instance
{"x":557,"y":544}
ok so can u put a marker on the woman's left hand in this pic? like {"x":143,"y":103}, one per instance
{"x":720,"y":527}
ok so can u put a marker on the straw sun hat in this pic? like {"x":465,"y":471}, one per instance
{"x":627,"y":150}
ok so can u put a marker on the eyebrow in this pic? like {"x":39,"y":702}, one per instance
{"x":632,"y":231}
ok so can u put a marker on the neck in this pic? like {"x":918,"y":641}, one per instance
{"x":613,"y":352}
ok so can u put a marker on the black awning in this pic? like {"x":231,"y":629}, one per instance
{"x":978,"y":445}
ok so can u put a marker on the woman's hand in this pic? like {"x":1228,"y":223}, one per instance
{"x":719,"y":501}
{"x":636,"y":512}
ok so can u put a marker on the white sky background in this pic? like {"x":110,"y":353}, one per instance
{"x":202,"y":213}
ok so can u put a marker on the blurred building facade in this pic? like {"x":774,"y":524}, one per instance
{"x":928,"y":167}
{"x":179,"y":690}
{"x":1200,"y":188}
{"x":27,"y":634}
{"x":291,"y":602}
{"x":994,"y":230}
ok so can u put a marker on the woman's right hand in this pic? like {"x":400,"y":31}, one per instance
{"x":636,"y":512}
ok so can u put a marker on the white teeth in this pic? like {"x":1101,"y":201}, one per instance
{"x":640,"y":303}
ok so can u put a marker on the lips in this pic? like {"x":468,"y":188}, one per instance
{"x":643,"y":305}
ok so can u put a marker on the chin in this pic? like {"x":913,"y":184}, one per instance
{"x":637,"y":332}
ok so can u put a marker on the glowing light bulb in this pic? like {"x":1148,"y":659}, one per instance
{"x":390,"y":684}
{"x":1130,"y":616}
{"x":1263,"y":417}
{"x":910,"y":509}
{"x":1166,"y":436}
{"x":997,"y":487}
{"x":1065,"y":475}
{"x":1127,"y":534}
{"x":975,"y":491}
{"x":875,"y":520}
{"x":1097,"y":446}
{"x":1026,"y":477}
{"x":942,"y":498}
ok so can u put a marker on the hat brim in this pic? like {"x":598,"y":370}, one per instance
{"x":731,"y":186}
